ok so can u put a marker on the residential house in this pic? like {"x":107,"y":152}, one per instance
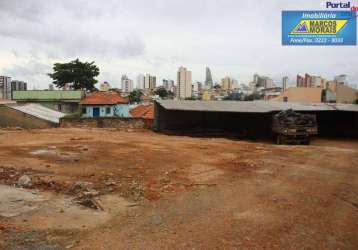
{"x":104,"y":104}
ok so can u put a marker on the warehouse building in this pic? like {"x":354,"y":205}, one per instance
{"x":65,"y":101}
{"x":252,"y":119}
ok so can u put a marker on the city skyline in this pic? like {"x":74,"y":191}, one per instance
{"x":36,"y":34}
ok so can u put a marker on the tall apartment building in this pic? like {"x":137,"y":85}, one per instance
{"x":261,"y":82}
{"x":18,"y":86}
{"x":127,"y":84}
{"x":235,"y":84}
{"x":300,"y":81}
{"x":140,"y":81}
{"x":284,"y":83}
{"x":197,"y":87}
{"x":184,"y":83}
{"x":318,"y":81}
{"x":341,"y":79}
{"x":256,"y":78}
{"x":5,"y":87}
{"x":227,"y":83}
{"x":309,"y":81}
{"x":150,"y":82}
{"x":208,"y":78}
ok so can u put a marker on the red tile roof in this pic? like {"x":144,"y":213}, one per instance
{"x":150,"y":113}
{"x":104,"y":98}
{"x":143,"y":111}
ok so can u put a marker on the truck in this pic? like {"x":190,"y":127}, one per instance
{"x":290,"y":127}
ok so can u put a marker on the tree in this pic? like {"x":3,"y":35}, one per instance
{"x":135,"y":95}
{"x":162,"y":92}
{"x":79,"y":74}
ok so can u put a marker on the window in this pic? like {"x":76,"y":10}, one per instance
{"x":84,"y":110}
{"x":108,"y":110}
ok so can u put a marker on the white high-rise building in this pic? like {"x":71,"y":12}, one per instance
{"x":235,"y":84}
{"x":341,"y":79}
{"x":269,"y":83}
{"x":184,"y":83}
{"x":127,"y":84}
{"x":197,"y":87}
{"x":5,"y":87}
{"x":140,"y":81}
{"x":284,"y":83}
{"x":317,"y":81}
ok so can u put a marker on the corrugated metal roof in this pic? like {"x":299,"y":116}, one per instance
{"x":347,"y":107}
{"x":42,"y":95}
{"x":252,"y":106}
{"x":39,"y":111}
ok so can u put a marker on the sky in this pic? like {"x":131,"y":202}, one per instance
{"x":233,"y":37}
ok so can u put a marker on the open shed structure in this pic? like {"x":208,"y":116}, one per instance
{"x":28,"y":116}
{"x":249,"y":118}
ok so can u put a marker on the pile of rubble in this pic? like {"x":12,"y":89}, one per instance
{"x":291,"y":118}
{"x":9,"y":175}
{"x":85,"y":194}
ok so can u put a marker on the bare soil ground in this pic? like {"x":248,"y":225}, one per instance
{"x":176,"y":192}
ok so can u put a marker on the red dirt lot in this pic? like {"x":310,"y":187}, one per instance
{"x":176,"y":192}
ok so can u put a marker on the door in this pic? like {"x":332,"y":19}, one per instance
{"x":95,"y":112}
